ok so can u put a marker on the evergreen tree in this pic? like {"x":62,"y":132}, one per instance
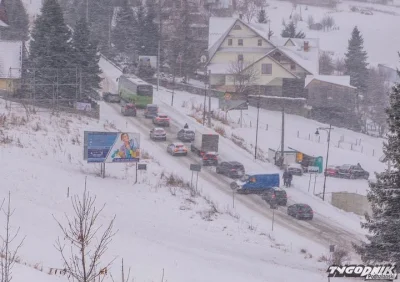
{"x":123,"y":33}
{"x":356,"y":61}
{"x":100,"y":18}
{"x":183,"y":53}
{"x":141,"y":43}
{"x":17,"y":20}
{"x":289,"y":31}
{"x":151,"y":28}
{"x":50,"y":48}
{"x":326,"y":66}
{"x":384,"y":195}
{"x":262,"y":16}
{"x":86,"y":57}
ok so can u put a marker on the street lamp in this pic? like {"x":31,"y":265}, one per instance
{"x":258,"y":116}
{"x":327,"y":129}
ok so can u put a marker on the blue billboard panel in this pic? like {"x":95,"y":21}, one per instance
{"x":111,"y":147}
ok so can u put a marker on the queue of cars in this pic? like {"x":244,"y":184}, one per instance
{"x":347,"y":171}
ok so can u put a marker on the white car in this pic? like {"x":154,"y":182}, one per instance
{"x":295,"y":169}
{"x":177,"y":149}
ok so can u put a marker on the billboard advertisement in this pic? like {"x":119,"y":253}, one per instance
{"x":111,"y":147}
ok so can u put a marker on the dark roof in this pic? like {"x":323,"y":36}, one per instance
{"x":3,"y":12}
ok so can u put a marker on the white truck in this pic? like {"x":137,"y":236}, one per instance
{"x":205,"y":140}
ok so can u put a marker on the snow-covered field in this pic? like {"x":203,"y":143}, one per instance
{"x":378,"y":42}
{"x":42,"y":158}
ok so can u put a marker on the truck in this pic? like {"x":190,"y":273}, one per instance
{"x":256,"y":183}
{"x":205,"y":140}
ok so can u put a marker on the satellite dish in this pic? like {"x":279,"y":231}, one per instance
{"x":203,"y":59}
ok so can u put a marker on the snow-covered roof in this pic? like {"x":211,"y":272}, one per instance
{"x":277,"y":97}
{"x":3,"y":24}
{"x":309,"y":60}
{"x":218,"y":27}
{"x":342,"y":80}
{"x":10,"y":59}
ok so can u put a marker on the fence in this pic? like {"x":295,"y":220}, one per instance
{"x":351,"y":202}
{"x":50,"y":105}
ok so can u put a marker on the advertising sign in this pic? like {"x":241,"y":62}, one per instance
{"x":313,"y":169}
{"x":112,"y":147}
{"x":228,"y":104}
{"x":83,"y":106}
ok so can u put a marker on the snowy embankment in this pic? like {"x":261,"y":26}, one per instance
{"x":191,"y":237}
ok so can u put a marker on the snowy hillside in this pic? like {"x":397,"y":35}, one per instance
{"x":191,"y":237}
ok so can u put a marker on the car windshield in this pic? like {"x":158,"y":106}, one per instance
{"x":159,"y":131}
{"x":238,"y":167}
{"x":162,"y":116}
{"x":179,"y":146}
{"x":189,"y":132}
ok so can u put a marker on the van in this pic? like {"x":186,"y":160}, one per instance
{"x":151,"y":111}
{"x":256,"y":183}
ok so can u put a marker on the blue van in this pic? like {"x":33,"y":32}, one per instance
{"x":256,"y":183}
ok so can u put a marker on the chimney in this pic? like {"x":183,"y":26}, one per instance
{"x":306,"y":46}
{"x":241,"y":16}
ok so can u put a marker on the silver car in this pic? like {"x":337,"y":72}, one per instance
{"x":158,"y":134}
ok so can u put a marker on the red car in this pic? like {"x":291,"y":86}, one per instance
{"x":161,"y":120}
{"x":332,"y":170}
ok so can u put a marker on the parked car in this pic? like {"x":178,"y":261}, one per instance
{"x":177,"y":149}
{"x":231,"y":169}
{"x":332,"y":170}
{"x":295,"y":169}
{"x":158,"y":134}
{"x":352,"y":172}
{"x":111,"y":97}
{"x":186,"y":135}
{"x":161,"y":120}
{"x":151,"y":111}
{"x":210,"y":159}
{"x":129,"y":110}
{"x":275,"y":194}
{"x":300,"y":211}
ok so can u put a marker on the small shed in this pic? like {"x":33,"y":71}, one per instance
{"x":289,"y":156}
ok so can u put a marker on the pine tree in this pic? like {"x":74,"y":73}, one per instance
{"x":356,"y":61}
{"x":183,"y":53}
{"x":262,"y":16}
{"x":100,"y":17}
{"x":289,"y":31}
{"x":326,"y":66}
{"x":151,"y":28}
{"x":141,"y":43}
{"x":17,"y":20}
{"x":123,"y":33}
{"x":50,"y":48}
{"x":384,"y":195}
{"x":86,"y":57}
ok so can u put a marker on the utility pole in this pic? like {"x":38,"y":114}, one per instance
{"x":209,"y":100}
{"x":159,"y":44}
{"x":328,"y":129}
{"x":258,"y":116}
{"x":87,"y":11}
{"x":283,"y":137}
{"x":205,"y":99}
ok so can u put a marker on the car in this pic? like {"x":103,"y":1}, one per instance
{"x":231,"y":169}
{"x":161,"y":120}
{"x":295,"y":169}
{"x":129,"y":110}
{"x":186,"y":135}
{"x":151,"y":111}
{"x":177,"y":149}
{"x":210,"y":159}
{"x":277,"y":194}
{"x":111,"y":97}
{"x":300,"y":211}
{"x":158,"y":134}
{"x":332,"y":170}
{"x":352,"y":172}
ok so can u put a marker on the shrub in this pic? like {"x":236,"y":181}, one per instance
{"x":220,"y":130}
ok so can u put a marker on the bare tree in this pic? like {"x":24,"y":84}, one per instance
{"x":86,"y":248}
{"x":244,"y":76}
{"x":123,"y":273}
{"x":8,"y":254}
{"x":249,"y":8}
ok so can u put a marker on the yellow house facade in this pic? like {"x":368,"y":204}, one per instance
{"x":10,"y":65}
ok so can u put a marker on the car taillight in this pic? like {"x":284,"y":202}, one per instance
{"x":175,"y":150}
{"x":273,"y":196}
{"x":233,"y":169}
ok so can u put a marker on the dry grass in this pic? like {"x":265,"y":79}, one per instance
{"x":339,"y":257}
{"x":220,"y":130}
{"x":145,"y":155}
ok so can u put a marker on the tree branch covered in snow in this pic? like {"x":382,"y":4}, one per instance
{"x":8,"y":255}
{"x":82,"y":260}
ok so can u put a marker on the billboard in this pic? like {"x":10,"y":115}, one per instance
{"x":111,"y":147}
{"x":228,"y":104}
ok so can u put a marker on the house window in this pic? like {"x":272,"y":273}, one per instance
{"x":237,"y":27}
{"x":292,"y":67}
{"x":266,"y":69}
{"x":240,"y":42}
{"x":259,"y":42}
{"x":229,"y":42}
{"x":240,"y":57}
